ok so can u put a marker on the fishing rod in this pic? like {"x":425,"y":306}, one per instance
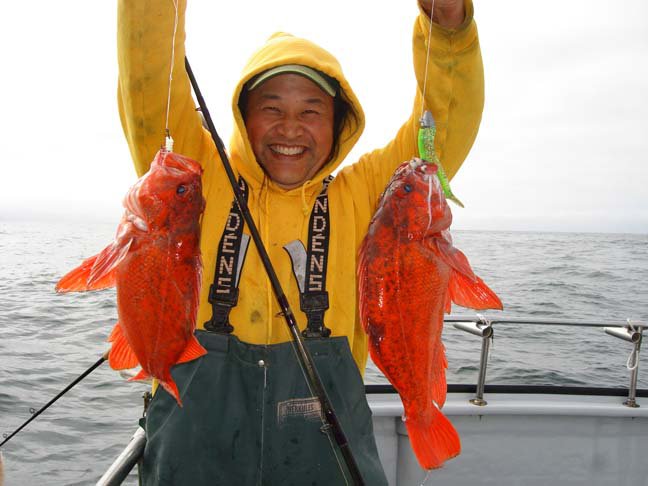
{"x":98,"y":363}
{"x":332,"y":423}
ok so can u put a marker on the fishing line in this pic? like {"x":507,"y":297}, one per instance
{"x":427,"y":60}
{"x":168,"y":140}
{"x":427,"y":476}
{"x":98,"y":363}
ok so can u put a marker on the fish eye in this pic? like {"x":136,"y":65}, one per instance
{"x":407,"y":188}
{"x":181,"y":189}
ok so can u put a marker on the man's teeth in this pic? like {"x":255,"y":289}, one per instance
{"x":287,"y":150}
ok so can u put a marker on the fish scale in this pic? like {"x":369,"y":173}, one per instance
{"x":155,"y":263}
{"x":408,"y":274}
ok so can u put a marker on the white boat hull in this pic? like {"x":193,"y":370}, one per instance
{"x":524,"y":439}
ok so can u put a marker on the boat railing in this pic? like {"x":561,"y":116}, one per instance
{"x":125,"y":462}
{"x":630,"y":331}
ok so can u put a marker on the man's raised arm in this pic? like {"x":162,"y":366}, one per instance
{"x":144,"y":46}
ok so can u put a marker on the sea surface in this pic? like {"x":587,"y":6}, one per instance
{"x":47,"y":340}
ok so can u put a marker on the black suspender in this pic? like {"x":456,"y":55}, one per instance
{"x":223,"y":293}
{"x":313,"y":297}
{"x":309,"y":267}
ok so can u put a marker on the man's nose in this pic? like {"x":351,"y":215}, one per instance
{"x":291,"y":127}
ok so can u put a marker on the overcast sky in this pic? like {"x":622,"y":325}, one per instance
{"x":562,"y":144}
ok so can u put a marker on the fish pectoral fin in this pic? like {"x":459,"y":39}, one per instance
{"x":453,"y":256}
{"x":77,"y":280}
{"x":96,"y":272}
{"x":102,"y":274}
{"x":121,"y":355}
{"x":474,"y":294}
{"x":192,"y":351}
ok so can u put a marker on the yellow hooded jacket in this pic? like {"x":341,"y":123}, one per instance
{"x":455,"y":99}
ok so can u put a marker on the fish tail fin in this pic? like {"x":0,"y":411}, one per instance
{"x":474,"y":294}
{"x":434,"y":442}
{"x":170,"y":386}
{"x":142,"y":375}
{"x":192,"y":351}
{"x":121,"y":356}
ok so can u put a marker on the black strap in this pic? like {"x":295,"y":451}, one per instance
{"x":223,"y":292}
{"x":314,"y":299}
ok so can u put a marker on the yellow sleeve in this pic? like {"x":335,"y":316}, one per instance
{"x":144,"y":46}
{"x":454,"y":93}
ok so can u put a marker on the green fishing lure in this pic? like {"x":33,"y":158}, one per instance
{"x":426,"y":134}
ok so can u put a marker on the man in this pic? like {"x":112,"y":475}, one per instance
{"x":248,"y":416}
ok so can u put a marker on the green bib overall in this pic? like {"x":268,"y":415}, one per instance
{"x":249,"y":418}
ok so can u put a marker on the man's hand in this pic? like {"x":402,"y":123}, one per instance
{"x":447,"y":13}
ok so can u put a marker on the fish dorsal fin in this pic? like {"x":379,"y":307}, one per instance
{"x":192,"y":351}
{"x":439,"y":387}
{"x":121,"y":355}
{"x":447,"y":306}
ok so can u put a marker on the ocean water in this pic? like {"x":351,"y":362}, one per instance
{"x":47,"y":340}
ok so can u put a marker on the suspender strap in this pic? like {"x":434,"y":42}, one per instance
{"x":314,"y":300}
{"x":310,"y":267}
{"x":223,"y":293}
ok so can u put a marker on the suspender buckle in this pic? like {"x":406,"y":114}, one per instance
{"x":314,"y":305}
{"x":222,"y":305}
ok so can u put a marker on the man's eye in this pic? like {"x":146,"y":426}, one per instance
{"x":311,"y":112}
{"x":271,"y":109}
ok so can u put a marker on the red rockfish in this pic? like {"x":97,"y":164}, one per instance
{"x":155,"y":263}
{"x":409,"y":273}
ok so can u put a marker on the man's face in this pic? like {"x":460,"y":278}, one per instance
{"x":289,"y":121}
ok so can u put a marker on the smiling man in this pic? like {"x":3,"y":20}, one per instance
{"x":289,"y":117}
{"x":249,"y":417}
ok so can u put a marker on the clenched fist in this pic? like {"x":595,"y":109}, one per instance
{"x":447,"y":13}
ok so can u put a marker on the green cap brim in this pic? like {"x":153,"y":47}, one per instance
{"x":305,"y":71}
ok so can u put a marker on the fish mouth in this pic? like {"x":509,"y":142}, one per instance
{"x":427,"y":173}
{"x":134,"y":209}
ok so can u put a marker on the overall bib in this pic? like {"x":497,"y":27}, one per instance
{"x":249,"y":417}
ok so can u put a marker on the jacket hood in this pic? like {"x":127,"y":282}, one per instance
{"x":280,"y":49}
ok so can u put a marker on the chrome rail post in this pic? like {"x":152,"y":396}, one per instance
{"x":634,"y":374}
{"x":125,"y":462}
{"x":633,"y":335}
{"x":484,"y":330}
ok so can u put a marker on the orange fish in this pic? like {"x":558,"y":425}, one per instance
{"x":409,"y":273}
{"x":155,"y":263}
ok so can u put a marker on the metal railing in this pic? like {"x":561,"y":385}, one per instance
{"x":630,"y":331}
{"x":125,"y":462}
